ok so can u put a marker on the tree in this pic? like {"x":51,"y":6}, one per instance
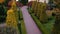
{"x":24,"y":1}
{"x":56,"y":29}
{"x":3,"y":12}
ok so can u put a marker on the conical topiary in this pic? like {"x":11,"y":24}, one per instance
{"x":43,"y":16}
{"x":36,"y":8}
{"x":12,"y":17}
{"x":33,"y":5}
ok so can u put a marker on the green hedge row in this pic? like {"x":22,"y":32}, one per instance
{"x":41,"y":27}
{"x":22,"y":24}
{"x":45,"y":28}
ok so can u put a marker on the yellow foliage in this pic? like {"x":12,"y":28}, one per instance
{"x":11,"y":19}
{"x":1,"y":1}
{"x":36,"y":8}
{"x":34,"y":5}
{"x":40,"y":11}
{"x":43,"y":16}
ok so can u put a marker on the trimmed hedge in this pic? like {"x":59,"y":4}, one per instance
{"x":23,"y":28}
{"x":41,"y":27}
{"x":39,"y":10}
{"x":45,"y":28}
{"x":11,"y":20}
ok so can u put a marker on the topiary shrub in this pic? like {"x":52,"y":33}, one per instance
{"x":42,"y":13}
{"x":39,"y":10}
{"x":12,"y":17}
{"x":34,"y":6}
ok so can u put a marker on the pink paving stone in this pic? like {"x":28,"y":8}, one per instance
{"x":31,"y":27}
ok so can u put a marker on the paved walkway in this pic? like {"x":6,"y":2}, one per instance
{"x":3,"y":25}
{"x":31,"y":27}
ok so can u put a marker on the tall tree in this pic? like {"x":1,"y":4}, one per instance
{"x":6,"y":2}
{"x":24,"y":1}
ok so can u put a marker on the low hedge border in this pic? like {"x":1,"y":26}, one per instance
{"x":45,"y":28}
{"x":23,"y":28}
{"x":40,"y":26}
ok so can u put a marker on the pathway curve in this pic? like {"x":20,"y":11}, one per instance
{"x":31,"y":27}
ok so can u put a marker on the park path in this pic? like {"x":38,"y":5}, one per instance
{"x":31,"y":27}
{"x":3,"y":25}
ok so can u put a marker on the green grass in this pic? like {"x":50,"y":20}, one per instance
{"x":23,"y":28}
{"x":45,"y":28}
{"x":21,"y":16}
{"x":50,"y":24}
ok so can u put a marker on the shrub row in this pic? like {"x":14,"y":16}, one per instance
{"x":39,"y":10}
